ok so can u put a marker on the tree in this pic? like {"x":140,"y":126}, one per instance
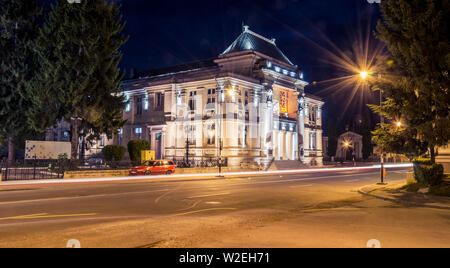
{"x":80,"y":82}
{"x":18,"y":28}
{"x":332,"y":137}
{"x":367,"y":147}
{"x":414,"y":79}
{"x":135,"y":147}
{"x":113,"y":152}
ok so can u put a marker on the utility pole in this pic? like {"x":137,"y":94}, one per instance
{"x":381,"y":150}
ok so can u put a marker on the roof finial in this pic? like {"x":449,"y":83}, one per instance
{"x":245,"y":28}
{"x":273,"y":40}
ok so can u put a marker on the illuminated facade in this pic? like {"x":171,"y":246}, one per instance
{"x":247,"y":105}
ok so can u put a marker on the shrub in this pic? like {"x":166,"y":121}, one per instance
{"x":135,"y":147}
{"x":427,"y":173}
{"x":422,"y":161}
{"x":113,"y":152}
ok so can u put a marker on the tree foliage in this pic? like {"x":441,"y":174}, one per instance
{"x":18,"y":28}
{"x":80,"y":81}
{"x":332,"y":137}
{"x":113,"y":152}
{"x":367,"y":146}
{"x":414,"y":78}
{"x":135,"y":147}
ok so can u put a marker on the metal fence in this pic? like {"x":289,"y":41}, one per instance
{"x":200,"y":163}
{"x":32,"y":170}
{"x":54,"y":169}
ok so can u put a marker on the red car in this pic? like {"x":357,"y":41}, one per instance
{"x":154,"y":167}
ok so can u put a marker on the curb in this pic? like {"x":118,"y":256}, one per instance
{"x":362,"y":192}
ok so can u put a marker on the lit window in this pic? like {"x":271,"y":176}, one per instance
{"x":146,"y":103}
{"x":293,"y":74}
{"x":138,"y":132}
{"x":278,"y":69}
{"x":269,"y":64}
{"x":285,"y":72}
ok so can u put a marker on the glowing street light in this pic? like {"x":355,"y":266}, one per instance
{"x":364,"y":75}
{"x":398,"y":124}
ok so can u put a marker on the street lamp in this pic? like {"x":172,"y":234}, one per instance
{"x":364,"y":75}
{"x":398,"y":124}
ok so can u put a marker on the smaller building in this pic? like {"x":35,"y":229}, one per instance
{"x":349,"y":146}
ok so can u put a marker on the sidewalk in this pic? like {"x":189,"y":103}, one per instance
{"x":393,"y":192}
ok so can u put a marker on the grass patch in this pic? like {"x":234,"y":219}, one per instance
{"x":413,"y":186}
{"x":441,"y":190}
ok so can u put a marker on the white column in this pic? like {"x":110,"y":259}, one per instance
{"x":276,"y":145}
{"x":294,"y":146}
{"x":283,"y":145}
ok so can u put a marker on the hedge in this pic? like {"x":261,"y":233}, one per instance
{"x":427,"y":172}
{"x":113,"y":152}
{"x":135,"y":147}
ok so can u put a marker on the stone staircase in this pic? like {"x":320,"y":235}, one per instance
{"x":287,"y":164}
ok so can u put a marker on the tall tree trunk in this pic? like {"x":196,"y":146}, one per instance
{"x":432,"y":154}
{"x":11,"y":152}
{"x":74,"y":140}
{"x":83,"y":147}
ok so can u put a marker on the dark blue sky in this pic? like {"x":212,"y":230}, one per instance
{"x":164,"y":33}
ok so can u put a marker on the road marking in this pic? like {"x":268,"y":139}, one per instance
{"x":193,"y":206}
{"x":45,"y":215}
{"x":202,"y":210}
{"x":76,"y":197}
{"x":299,"y":186}
{"x":166,"y":193}
{"x":200,"y":196}
{"x":30,"y":215}
{"x":306,"y":179}
{"x":213,"y":203}
{"x":329,"y":209}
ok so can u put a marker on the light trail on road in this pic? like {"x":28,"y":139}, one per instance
{"x":175,"y":176}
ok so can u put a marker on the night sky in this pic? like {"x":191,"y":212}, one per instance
{"x":165,"y":33}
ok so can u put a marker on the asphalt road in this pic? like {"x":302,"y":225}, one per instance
{"x":288,"y":210}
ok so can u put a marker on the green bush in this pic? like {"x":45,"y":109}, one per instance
{"x":427,"y":173}
{"x":135,"y":147}
{"x":113,"y":152}
{"x":422,"y":161}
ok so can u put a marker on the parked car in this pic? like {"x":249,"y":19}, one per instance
{"x":154,"y":167}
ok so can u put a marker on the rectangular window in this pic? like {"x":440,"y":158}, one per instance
{"x":138,"y":132}
{"x":312,"y":140}
{"x":159,"y":101}
{"x":139,"y":106}
{"x":192,"y":96}
{"x":102,"y":141}
{"x":211,"y":134}
{"x":120,"y":136}
{"x":211,"y":96}
{"x":146,"y":103}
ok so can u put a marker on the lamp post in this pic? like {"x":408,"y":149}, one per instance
{"x":364,"y":75}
